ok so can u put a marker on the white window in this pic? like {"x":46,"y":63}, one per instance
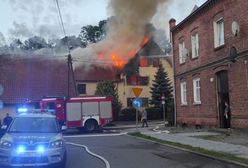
{"x":182,"y":54}
{"x":219,"y":32}
{"x":183,"y":93}
{"x":197,"y":91}
{"x":195,"y":45}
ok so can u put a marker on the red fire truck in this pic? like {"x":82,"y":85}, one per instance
{"x":89,"y":113}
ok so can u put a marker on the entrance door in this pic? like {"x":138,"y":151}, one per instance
{"x":223,"y":96}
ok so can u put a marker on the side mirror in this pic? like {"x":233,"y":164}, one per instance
{"x":4,"y":127}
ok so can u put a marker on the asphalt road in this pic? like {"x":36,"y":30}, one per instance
{"x":122,"y":151}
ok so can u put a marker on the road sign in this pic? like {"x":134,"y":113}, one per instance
{"x":137,"y":103}
{"x":137,"y":91}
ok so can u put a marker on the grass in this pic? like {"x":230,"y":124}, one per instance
{"x":210,"y":153}
{"x":212,"y":137}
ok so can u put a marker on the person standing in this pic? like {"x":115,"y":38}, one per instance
{"x":144,"y":118}
{"x":7,"y":119}
{"x":227,"y":115}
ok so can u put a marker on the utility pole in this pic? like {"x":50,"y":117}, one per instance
{"x":71,"y":75}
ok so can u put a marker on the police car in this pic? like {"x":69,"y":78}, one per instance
{"x":33,"y":139}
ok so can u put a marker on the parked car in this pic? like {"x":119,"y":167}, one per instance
{"x":33,"y":139}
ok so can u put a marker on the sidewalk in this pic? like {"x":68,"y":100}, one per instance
{"x":236,"y":145}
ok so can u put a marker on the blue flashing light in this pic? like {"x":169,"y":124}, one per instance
{"x":20,"y":149}
{"x":40,"y":149}
{"x":22,"y":110}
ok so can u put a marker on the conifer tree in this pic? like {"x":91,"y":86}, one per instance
{"x":161,"y":87}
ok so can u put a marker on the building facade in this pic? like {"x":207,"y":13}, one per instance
{"x":31,"y":78}
{"x":210,"y":57}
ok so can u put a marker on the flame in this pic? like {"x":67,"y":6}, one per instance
{"x":145,"y":40}
{"x":119,"y":58}
{"x":117,"y":62}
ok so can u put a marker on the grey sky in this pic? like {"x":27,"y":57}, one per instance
{"x":24,"y":18}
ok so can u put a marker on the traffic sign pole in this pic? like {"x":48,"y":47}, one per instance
{"x":137,"y":102}
{"x":136,"y":118}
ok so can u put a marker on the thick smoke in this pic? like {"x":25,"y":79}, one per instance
{"x":2,"y":40}
{"x":125,"y":31}
{"x":20,"y":30}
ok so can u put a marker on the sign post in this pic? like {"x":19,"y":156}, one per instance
{"x":137,"y":102}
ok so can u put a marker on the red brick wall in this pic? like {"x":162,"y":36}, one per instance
{"x":202,"y":22}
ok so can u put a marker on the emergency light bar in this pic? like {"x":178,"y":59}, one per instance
{"x":22,"y":110}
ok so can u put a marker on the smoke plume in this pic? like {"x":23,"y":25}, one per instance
{"x":125,"y":32}
{"x":2,"y":40}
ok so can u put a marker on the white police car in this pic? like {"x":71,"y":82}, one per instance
{"x":33,"y":139}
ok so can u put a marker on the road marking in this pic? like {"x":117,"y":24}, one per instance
{"x":92,"y":135}
{"x":91,"y":153}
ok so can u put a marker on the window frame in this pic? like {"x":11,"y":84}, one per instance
{"x":182,"y":55}
{"x":195,"y":45}
{"x":219,"y":34}
{"x":196,"y":91}
{"x":85,"y":90}
{"x":183,"y":92}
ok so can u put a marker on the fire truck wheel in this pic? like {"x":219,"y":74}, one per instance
{"x":91,"y":125}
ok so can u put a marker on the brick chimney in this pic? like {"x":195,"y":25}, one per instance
{"x":172,"y":24}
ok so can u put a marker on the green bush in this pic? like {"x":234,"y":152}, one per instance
{"x":154,"y":113}
{"x":128,"y":114}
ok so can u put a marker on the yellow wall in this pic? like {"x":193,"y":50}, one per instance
{"x":125,"y":91}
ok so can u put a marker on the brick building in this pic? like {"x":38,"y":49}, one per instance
{"x":210,"y":49}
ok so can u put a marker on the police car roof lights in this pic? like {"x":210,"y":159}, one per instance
{"x":22,"y":110}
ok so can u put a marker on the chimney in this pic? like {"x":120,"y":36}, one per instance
{"x":172,"y":23}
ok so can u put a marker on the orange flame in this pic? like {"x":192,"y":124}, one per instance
{"x":119,"y":60}
{"x":145,"y":40}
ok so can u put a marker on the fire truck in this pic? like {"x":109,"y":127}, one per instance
{"x":84,"y":113}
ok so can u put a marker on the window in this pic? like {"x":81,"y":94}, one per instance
{"x":182,"y":54}
{"x":195,"y":45}
{"x":138,"y":80}
{"x":81,"y":88}
{"x":219,"y":32}
{"x":183,"y":93}
{"x":196,"y":90}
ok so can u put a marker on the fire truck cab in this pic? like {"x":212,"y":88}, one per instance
{"x":89,"y":113}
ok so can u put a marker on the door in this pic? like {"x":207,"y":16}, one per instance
{"x":223,"y":96}
{"x":73,"y":114}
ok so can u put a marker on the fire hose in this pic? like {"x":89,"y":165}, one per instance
{"x":91,"y":153}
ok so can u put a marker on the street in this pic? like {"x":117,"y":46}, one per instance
{"x":121,"y":151}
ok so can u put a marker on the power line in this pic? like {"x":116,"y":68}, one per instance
{"x":60,"y":17}
{"x":69,"y":58}
{"x":62,"y":23}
